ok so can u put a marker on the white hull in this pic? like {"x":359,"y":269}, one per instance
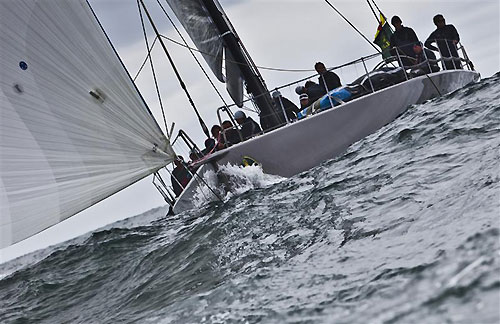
{"x":304,"y":144}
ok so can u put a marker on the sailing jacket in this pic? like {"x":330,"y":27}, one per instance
{"x":291,"y":109}
{"x":314,"y":91}
{"x":422,"y":57}
{"x":182,"y":177}
{"x":332,"y":80}
{"x":404,"y":39}
{"x":249,"y":128}
{"x":442,"y":36}
{"x":423,"y":65}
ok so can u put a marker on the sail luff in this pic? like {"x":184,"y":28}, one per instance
{"x":73,"y":127}
{"x":124,"y":67}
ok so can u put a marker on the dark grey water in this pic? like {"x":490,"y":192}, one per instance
{"x":404,"y":228}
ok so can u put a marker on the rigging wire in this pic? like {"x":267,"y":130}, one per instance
{"x":378,"y":50}
{"x":179,"y":78}
{"x":380,"y":11}
{"x":382,"y":14}
{"x":192,"y":53}
{"x":239,"y":63}
{"x":373,"y":10}
{"x":146,"y":59}
{"x":314,"y":75}
{"x":160,"y":37}
{"x":354,"y":27}
{"x":153,"y":69}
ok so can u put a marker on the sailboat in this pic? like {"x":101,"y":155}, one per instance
{"x":74,"y":128}
{"x":289,"y":148}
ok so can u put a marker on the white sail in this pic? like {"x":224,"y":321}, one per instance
{"x":73,"y":127}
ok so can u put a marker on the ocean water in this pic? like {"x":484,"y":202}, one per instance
{"x":403,"y":228}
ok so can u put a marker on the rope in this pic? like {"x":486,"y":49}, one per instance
{"x":153,"y":69}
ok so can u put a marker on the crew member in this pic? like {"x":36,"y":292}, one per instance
{"x":232,"y":135}
{"x":249,"y":127}
{"x":421,"y":56}
{"x":403,"y":40}
{"x":291,"y":109}
{"x":446,"y":37}
{"x":180,"y":176}
{"x":304,"y":100}
{"x":329,"y":80}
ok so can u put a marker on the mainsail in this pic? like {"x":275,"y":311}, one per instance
{"x":73,"y":127}
{"x":211,"y":31}
{"x":198,"y":23}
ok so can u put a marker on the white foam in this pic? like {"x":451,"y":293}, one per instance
{"x":240,"y":180}
{"x":243,"y":179}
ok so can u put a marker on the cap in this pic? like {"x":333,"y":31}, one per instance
{"x":299,"y":89}
{"x":395,"y":19}
{"x":303,"y":96}
{"x":239,"y":114}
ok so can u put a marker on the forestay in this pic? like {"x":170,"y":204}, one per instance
{"x":73,"y":127}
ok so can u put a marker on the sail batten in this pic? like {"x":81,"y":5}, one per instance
{"x":73,"y":127}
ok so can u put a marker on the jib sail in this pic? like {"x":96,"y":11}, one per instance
{"x":73,"y":127}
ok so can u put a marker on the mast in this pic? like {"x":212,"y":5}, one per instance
{"x":269,"y":117}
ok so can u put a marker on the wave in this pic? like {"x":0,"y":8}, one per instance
{"x":402,"y":228}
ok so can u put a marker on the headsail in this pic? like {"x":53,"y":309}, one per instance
{"x":73,"y":127}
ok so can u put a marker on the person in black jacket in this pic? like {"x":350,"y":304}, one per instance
{"x":231,"y":135}
{"x":314,"y":90}
{"x":180,"y":176}
{"x":446,"y":37}
{"x":291,"y":110}
{"x":403,"y":40}
{"x":327,"y":79}
{"x":248,"y":126}
{"x":425,"y":60}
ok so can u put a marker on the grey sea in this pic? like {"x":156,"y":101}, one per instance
{"x":402,"y":228}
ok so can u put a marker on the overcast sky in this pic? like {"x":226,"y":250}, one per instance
{"x":289,"y":34}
